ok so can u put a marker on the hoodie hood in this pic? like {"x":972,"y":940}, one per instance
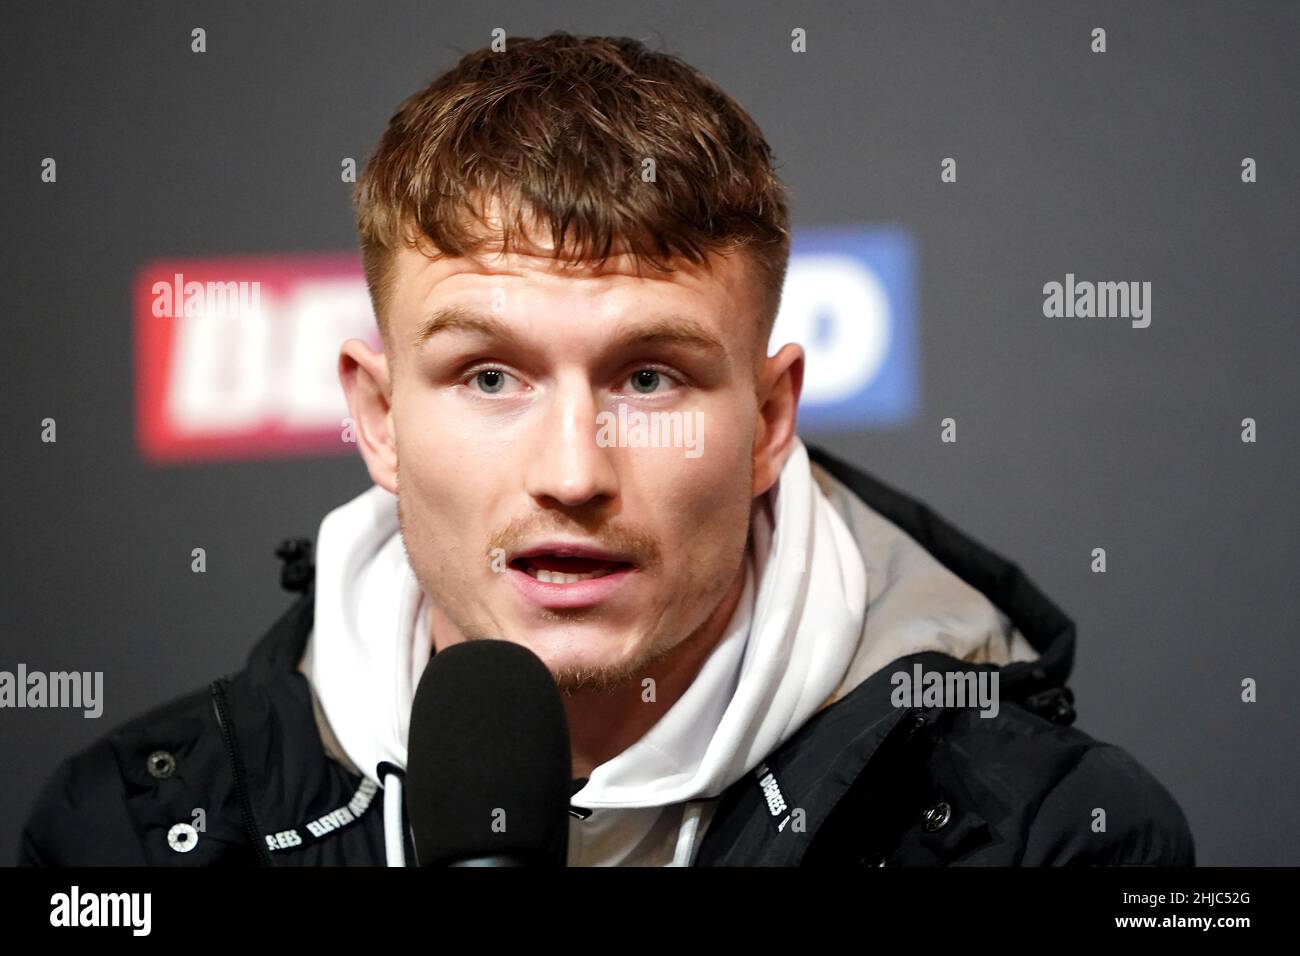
{"x":833,"y":593}
{"x":787,"y":647}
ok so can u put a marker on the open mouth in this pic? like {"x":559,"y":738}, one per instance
{"x":555,"y":569}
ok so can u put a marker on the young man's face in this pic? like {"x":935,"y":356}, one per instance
{"x":523,"y":518}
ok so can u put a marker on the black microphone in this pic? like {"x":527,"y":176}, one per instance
{"x":487,"y":772}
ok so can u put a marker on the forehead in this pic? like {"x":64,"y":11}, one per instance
{"x":720,"y":293}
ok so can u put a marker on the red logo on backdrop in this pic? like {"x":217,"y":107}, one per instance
{"x":238,"y":358}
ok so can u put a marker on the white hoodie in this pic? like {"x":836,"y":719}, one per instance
{"x":833,"y":593}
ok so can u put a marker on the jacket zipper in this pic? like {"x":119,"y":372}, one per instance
{"x":237,"y":769}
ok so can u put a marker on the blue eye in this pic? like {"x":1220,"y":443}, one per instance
{"x":647,"y":377}
{"x":492,"y":380}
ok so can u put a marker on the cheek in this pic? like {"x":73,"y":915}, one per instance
{"x":443,"y":549}
{"x":707,"y":506}
{"x":443,"y":484}
{"x":441,"y":468}
{"x":429,"y":490}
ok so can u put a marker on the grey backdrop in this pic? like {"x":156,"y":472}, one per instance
{"x":1074,"y":434}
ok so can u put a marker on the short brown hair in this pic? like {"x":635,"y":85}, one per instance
{"x":558,"y":128}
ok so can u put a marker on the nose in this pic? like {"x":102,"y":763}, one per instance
{"x":566,"y":466}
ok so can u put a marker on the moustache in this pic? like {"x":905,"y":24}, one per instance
{"x":639,"y":547}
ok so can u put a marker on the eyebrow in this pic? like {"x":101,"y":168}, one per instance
{"x":678,"y":331}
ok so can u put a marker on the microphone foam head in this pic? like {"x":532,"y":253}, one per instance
{"x":488,"y":758}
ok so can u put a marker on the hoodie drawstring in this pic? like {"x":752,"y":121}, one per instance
{"x":686,"y":834}
{"x":394,"y":840}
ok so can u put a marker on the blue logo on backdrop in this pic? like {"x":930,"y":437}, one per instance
{"x":850,"y":301}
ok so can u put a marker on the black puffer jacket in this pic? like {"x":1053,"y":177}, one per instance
{"x":237,"y":773}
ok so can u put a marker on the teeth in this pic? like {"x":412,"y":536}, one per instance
{"x":560,"y":577}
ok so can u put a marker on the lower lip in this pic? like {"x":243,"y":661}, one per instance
{"x":578,"y":594}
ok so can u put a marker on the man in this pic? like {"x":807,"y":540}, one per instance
{"x":767,"y":657}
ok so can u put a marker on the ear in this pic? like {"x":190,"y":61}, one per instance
{"x":779,"y":384}
{"x":363,"y":373}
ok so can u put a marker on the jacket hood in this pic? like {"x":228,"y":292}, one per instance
{"x":834,"y":591}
